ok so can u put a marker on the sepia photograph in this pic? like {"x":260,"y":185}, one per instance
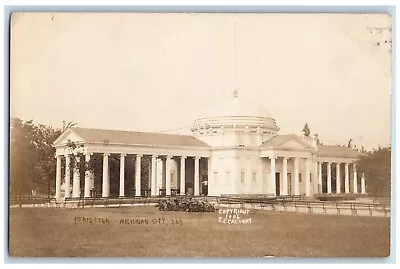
{"x":200,"y":135}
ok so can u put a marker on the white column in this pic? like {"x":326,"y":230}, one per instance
{"x":87,"y":176}
{"x":363,"y":184}
{"x":168,"y":176}
{"x":196,"y":176}
{"x":346,"y":178}
{"x":329,"y":178}
{"x":106,"y":178}
{"x":307,"y":177}
{"x":122,"y":175}
{"x":296,"y":176}
{"x":58,"y":177}
{"x":210,"y":178}
{"x":182,"y":184}
{"x":76,"y":180}
{"x":138,"y":172}
{"x":284,"y":187}
{"x":319,"y":177}
{"x":315,"y":178}
{"x":154,"y":175}
{"x":338,"y":179}
{"x":355,"y":187}
{"x":67,"y":176}
{"x":272,"y":183}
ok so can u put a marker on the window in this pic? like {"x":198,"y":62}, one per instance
{"x":242,"y":177}
{"x":254,"y":177}
{"x":228,"y":177}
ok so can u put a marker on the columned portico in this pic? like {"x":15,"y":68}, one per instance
{"x":138,"y":186}
{"x":196,"y":176}
{"x":329,"y":178}
{"x":58,"y":177}
{"x":272,"y":182}
{"x":67,"y":176}
{"x":363,"y":184}
{"x":319,"y":177}
{"x":88,"y":177}
{"x":355,"y":187}
{"x":76,"y":179}
{"x":284,"y":187}
{"x":296,"y":177}
{"x":154,"y":175}
{"x":346,"y":178}
{"x":122,"y":175}
{"x":338,"y":178}
{"x":168,"y":176}
{"x":182,"y":189}
{"x":307,"y":177}
{"x":106,"y":177}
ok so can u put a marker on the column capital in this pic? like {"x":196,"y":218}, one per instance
{"x":272,"y":157}
{"x":168,"y":157}
{"x":139,"y":154}
{"x":285,"y":158}
{"x":106,"y":154}
{"x":154,"y":156}
{"x":197,"y":157}
{"x":183,"y":157}
{"x":123,"y":154}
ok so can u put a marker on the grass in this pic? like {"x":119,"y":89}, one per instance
{"x":52,"y":232}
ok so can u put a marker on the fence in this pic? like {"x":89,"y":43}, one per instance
{"x":268,"y":203}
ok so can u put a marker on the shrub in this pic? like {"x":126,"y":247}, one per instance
{"x":185,"y":204}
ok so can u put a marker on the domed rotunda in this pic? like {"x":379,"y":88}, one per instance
{"x":240,"y":121}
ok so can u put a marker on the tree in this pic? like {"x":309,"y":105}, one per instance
{"x":70,"y":124}
{"x":376,"y":166}
{"x":306,"y":130}
{"x":316,"y":136}
{"x":32,"y":162}
{"x":349,"y":145}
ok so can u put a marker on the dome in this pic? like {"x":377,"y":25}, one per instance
{"x":235,"y":113}
{"x":235,"y":107}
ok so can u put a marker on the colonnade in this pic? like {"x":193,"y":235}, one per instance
{"x":339,"y":178}
{"x":89,"y":176}
{"x":309,"y":164}
{"x":284,"y":188}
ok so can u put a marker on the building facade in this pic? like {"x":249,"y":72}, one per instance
{"x":235,"y":148}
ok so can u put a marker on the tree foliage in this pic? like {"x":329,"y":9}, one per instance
{"x":306,"y":130}
{"x":32,"y":157}
{"x":376,"y":166}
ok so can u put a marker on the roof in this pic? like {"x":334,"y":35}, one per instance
{"x":278,"y":140}
{"x":137,"y":138}
{"x":337,"y":151}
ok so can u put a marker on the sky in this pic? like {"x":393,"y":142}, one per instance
{"x":156,"y":72}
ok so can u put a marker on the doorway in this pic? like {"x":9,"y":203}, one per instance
{"x":277,"y":184}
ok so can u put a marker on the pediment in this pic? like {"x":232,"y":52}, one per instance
{"x":293,"y":144}
{"x":67,"y":136}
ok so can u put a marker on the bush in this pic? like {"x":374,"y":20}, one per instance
{"x":185,"y":204}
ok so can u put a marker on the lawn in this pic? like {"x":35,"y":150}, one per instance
{"x":112,"y":232}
